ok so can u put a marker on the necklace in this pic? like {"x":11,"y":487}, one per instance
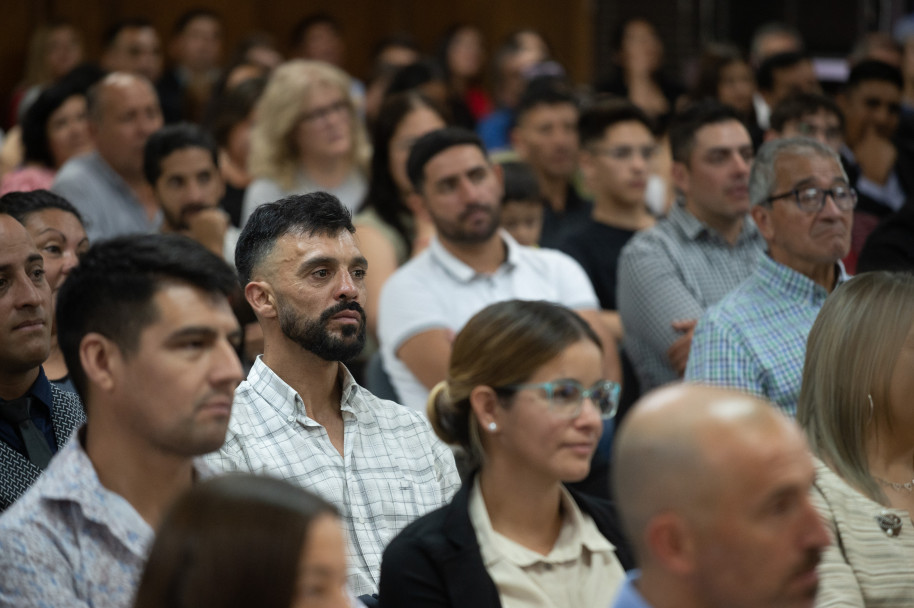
{"x":907,"y":486}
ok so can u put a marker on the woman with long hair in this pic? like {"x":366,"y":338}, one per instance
{"x":855,"y":405}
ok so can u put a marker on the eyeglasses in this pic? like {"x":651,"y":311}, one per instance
{"x":324,"y":112}
{"x":566,"y":397}
{"x":627,"y":152}
{"x":811,"y":200}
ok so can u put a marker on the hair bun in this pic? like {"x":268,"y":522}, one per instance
{"x":439,"y":410}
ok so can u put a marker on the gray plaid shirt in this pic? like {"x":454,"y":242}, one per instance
{"x":671,"y":272}
{"x":393,"y":468}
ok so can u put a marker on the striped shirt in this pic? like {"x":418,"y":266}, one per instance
{"x":393,"y":468}
{"x":755,"y":338}
{"x":862,"y":566}
{"x":674,"y":272}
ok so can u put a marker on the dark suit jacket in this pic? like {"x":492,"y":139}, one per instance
{"x":17,"y":473}
{"x":436,"y":562}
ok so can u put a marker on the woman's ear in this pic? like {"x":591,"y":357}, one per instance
{"x":486,"y":407}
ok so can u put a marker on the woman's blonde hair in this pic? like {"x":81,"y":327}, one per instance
{"x":850,"y":357}
{"x":504,"y":343}
{"x":274,"y":154}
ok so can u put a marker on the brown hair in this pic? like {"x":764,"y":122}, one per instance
{"x":233,"y":541}
{"x":850,"y":357}
{"x":504,"y":343}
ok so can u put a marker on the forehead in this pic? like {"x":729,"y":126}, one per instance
{"x":549,"y":112}
{"x":187,"y":160}
{"x":820,"y":115}
{"x":295,"y":247}
{"x":454,"y":160}
{"x":15,"y":243}
{"x":881,"y":89}
{"x":126,"y":92}
{"x":792,"y":168}
{"x":134,"y":34}
{"x":182,"y":305}
{"x":627,"y":131}
{"x":53,"y":218}
{"x":323,"y":92}
{"x":726,"y":134}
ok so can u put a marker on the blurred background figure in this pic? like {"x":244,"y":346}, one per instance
{"x":390,"y":228}
{"x":462,"y":54}
{"x":725,"y":75}
{"x":389,"y":55}
{"x":238,"y":541}
{"x":133,"y":45}
{"x":230,"y":122}
{"x":195,"y":50}
{"x":54,"y":49}
{"x":307,"y":136}
{"x":522,"y":205}
{"x":319,"y":37}
{"x":773,"y":38}
{"x":54,"y":130}
{"x":857,"y":416}
{"x":638,"y":65}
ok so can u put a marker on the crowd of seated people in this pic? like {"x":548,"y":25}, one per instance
{"x":459,"y":331}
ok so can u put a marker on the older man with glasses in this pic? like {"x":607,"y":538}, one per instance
{"x":755,"y":338}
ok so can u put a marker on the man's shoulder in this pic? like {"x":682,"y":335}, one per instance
{"x":392,"y":418}
{"x":661,"y":237}
{"x":85,"y":166}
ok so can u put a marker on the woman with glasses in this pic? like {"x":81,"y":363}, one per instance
{"x":855,"y":406}
{"x":525,"y":397}
{"x":307,"y":136}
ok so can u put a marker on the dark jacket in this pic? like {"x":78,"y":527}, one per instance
{"x":436,"y":562}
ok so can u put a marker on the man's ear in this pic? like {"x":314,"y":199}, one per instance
{"x":416,"y":204}
{"x":761,"y":215}
{"x":260,"y":296}
{"x":100,"y":359}
{"x":669,"y":540}
{"x":681,"y":177}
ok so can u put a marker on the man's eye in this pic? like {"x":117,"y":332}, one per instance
{"x":323,"y":273}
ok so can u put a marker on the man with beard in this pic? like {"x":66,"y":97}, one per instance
{"x":713,"y":489}
{"x":181,"y":163}
{"x":754,"y":339}
{"x":467,"y":266}
{"x":300,"y":415}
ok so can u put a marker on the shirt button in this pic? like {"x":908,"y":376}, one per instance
{"x":362,"y":520}
{"x":291,"y":419}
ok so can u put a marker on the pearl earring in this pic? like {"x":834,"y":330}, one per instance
{"x":492,"y":427}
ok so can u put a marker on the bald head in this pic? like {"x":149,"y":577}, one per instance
{"x":710,"y":483}
{"x":123,"y":111}
{"x":679,"y":443}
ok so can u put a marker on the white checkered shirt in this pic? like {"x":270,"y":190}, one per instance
{"x":393,"y":469}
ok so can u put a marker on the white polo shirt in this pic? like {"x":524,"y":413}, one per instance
{"x":435,"y":290}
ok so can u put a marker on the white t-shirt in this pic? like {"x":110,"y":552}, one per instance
{"x":351,"y":192}
{"x":435,"y":290}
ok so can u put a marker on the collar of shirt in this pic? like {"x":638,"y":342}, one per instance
{"x":629,"y":596}
{"x":41,"y":389}
{"x":577,"y":533}
{"x":267,"y":384}
{"x":461,"y":271}
{"x":75,"y":480}
{"x":693,"y":228}
{"x":783,"y":279}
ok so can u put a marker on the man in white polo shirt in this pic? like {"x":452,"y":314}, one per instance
{"x":468,"y":265}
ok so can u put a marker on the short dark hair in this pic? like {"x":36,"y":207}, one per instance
{"x":544,"y":91}
{"x":781,"y":61}
{"x":21,"y":205}
{"x":172,"y":138}
{"x":799,"y":105}
{"x":414,"y":75}
{"x":307,"y":22}
{"x":874,"y":69}
{"x":111,"y":291}
{"x":117,"y":27}
{"x":232,"y":541}
{"x":520,"y":183}
{"x":686,"y":123}
{"x":316,"y":213}
{"x":595,"y":120}
{"x":194,"y":13}
{"x":35,"y":121}
{"x":431,"y":144}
